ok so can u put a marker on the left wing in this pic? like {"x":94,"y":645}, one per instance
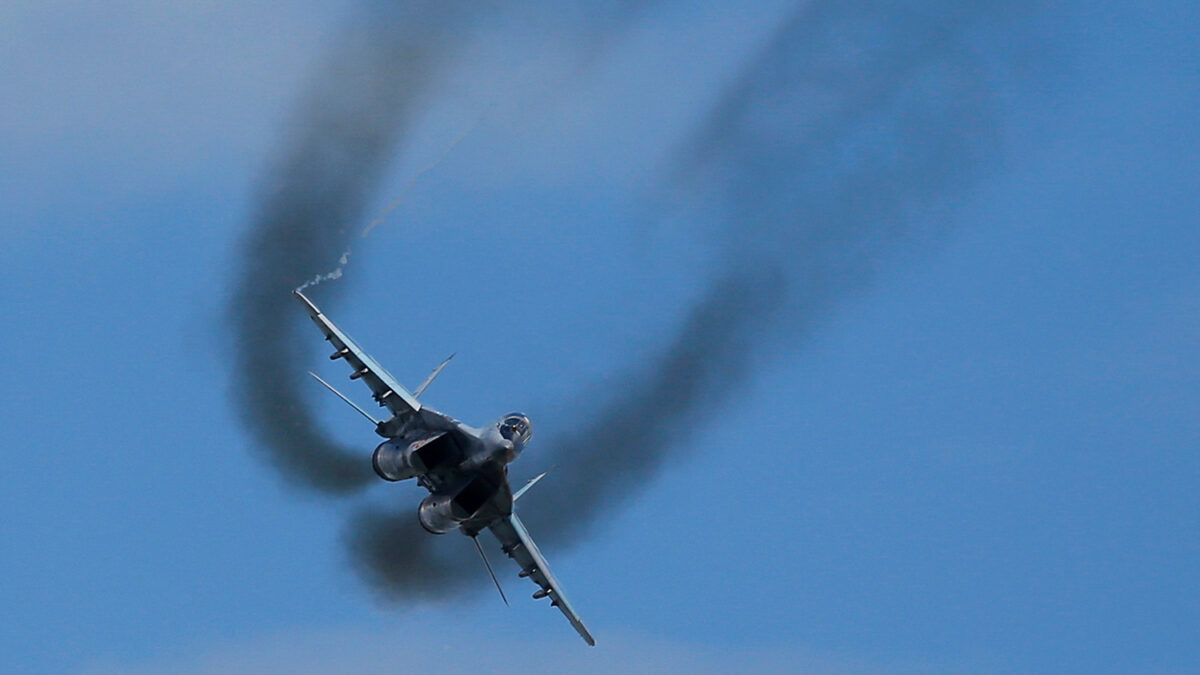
{"x":516,"y":542}
{"x":386,"y":389}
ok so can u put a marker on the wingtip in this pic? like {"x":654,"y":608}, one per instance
{"x":312,"y":309}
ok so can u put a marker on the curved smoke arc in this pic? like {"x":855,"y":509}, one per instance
{"x":856,"y":120}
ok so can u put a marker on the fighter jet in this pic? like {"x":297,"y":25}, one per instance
{"x":465,"y":469}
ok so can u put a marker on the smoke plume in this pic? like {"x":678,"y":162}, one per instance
{"x":348,"y":125}
{"x":856,"y":123}
{"x":855,"y":127}
{"x":349,"y":122}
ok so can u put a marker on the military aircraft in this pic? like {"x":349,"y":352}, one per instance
{"x":465,"y":469}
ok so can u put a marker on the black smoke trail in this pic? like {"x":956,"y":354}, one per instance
{"x":856,"y":126}
{"x":348,"y":125}
{"x":401,"y":559}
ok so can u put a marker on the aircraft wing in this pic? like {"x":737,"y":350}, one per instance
{"x":386,"y":389}
{"x":516,"y":542}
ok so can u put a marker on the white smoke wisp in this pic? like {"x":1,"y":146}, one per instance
{"x":328,"y":276}
{"x":344,"y":260}
{"x":412,"y":182}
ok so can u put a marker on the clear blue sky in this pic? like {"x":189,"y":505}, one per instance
{"x":984,"y":460}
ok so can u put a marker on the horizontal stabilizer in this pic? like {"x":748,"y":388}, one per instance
{"x":528,"y":485}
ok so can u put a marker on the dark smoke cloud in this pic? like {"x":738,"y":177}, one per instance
{"x":854,"y":123}
{"x":710,"y":355}
{"x":349,"y":123}
{"x":399,"y":559}
{"x":347,"y":128}
{"x":859,"y":120}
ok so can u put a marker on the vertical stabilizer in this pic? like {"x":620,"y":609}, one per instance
{"x":435,"y":373}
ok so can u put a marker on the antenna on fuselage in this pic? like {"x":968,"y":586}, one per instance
{"x":342,"y":396}
{"x":489,"y":568}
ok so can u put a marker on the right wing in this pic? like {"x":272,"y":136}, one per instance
{"x":386,"y":389}
{"x":516,"y":542}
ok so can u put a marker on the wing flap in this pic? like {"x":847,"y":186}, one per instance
{"x":518,"y":545}
{"x":387,"y":391}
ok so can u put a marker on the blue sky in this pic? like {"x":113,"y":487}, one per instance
{"x":983,"y":460}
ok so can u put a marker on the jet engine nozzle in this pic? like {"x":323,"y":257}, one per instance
{"x":444,"y":511}
{"x":440,"y":514}
{"x":397,"y":460}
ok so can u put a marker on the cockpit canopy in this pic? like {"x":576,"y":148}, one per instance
{"x":516,"y":428}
